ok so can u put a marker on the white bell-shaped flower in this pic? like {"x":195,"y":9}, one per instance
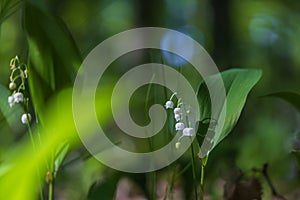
{"x":188,"y":132}
{"x":18,"y":97}
{"x":11,"y":101}
{"x":26,"y":118}
{"x":179,"y":126}
{"x":177,"y":111}
{"x":169,"y":104}
{"x":177,"y":117}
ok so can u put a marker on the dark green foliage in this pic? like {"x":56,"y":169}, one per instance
{"x":53,"y":55}
{"x":291,"y":97}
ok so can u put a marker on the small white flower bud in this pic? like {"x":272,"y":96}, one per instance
{"x":177,"y":117}
{"x":179,"y":126}
{"x":26,"y":118}
{"x":188,"y":132}
{"x":11,"y":101}
{"x":177,"y":111}
{"x":18,"y":97}
{"x":26,"y":73}
{"x":169,"y":104}
{"x":177,"y":145}
{"x":12,"y":85}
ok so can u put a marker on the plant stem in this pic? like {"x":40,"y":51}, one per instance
{"x":152,"y":174}
{"x":202,"y":182}
{"x":51,"y":190}
{"x":170,"y":192}
{"x":194,"y":171}
{"x":31,"y":136}
{"x":51,"y":177}
{"x":203,"y":162}
{"x":269,"y":182}
{"x":148,"y":94}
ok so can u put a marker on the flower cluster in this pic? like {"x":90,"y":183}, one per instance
{"x":180,"y":116}
{"x":18,"y":76}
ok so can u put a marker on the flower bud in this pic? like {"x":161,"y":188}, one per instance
{"x":12,"y":85}
{"x":177,"y":145}
{"x":25,"y":73}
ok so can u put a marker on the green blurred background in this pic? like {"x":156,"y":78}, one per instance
{"x":243,"y":34}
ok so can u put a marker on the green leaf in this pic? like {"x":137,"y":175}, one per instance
{"x":290,"y":97}
{"x":104,"y":189}
{"x":237,"y":83}
{"x":53,"y":55}
{"x":7,"y":8}
{"x":3,"y":169}
{"x":60,"y":155}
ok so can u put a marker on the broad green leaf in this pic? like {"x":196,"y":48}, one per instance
{"x":237,"y":83}
{"x":53,"y":55}
{"x":290,"y":97}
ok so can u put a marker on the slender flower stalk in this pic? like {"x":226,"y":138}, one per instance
{"x":181,"y":117}
{"x":203,"y":162}
{"x":17,"y":85}
{"x":194,"y":171}
{"x":183,"y":125}
{"x":150,"y":140}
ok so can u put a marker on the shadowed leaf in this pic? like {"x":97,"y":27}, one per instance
{"x":7,"y":8}
{"x":53,"y":55}
{"x":290,"y":97}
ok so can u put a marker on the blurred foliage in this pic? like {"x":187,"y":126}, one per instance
{"x":292,"y":98}
{"x":55,"y":35}
{"x":53,"y":55}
